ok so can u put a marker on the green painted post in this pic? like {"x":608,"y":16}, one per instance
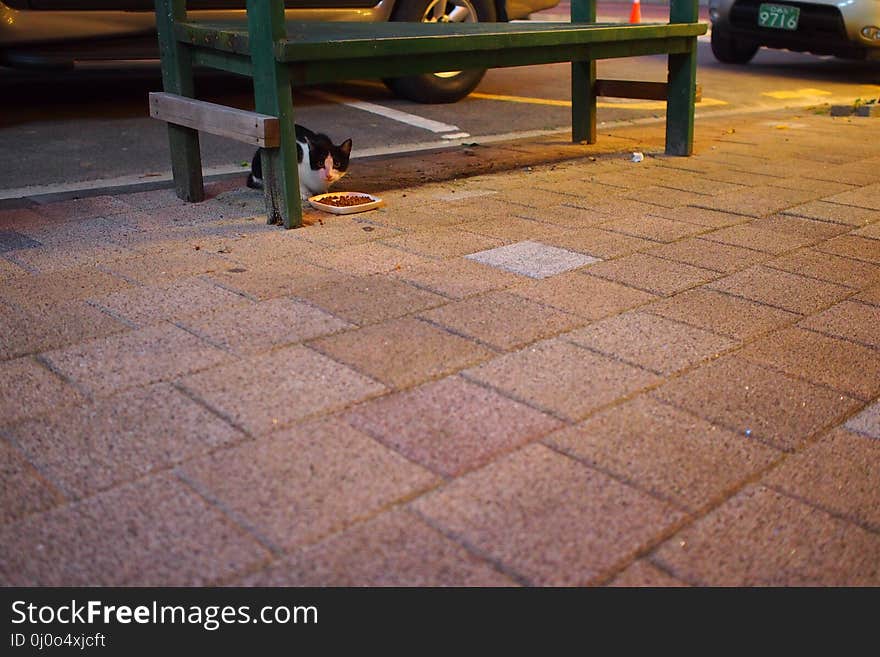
{"x":177,"y":78}
{"x":583,"y":81}
{"x":682,"y":85}
{"x":272,"y":95}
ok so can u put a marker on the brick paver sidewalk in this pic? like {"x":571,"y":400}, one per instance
{"x":589,"y":372}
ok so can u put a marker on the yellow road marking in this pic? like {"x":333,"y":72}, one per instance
{"x":637,"y":105}
{"x":796,"y":93}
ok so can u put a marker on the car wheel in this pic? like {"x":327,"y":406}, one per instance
{"x":730,"y":50}
{"x":446,"y":86}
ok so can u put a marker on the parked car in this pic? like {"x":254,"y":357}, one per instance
{"x":844,"y":28}
{"x":68,"y":33}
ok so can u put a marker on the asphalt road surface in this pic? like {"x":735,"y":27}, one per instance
{"x":91,"y":129}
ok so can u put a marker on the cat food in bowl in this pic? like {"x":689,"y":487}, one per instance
{"x":345,"y":202}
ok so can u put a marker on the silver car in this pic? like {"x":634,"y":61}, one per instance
{"x":844,"y":28}
{"x":68,"y":33}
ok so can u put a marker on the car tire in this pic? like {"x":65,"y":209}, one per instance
{"x":441,"y":87}
{"x":731,"y":50}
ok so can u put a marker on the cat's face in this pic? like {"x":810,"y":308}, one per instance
{"x":328,"y":160}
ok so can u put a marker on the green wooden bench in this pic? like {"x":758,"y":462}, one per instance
{"x":279,"y":55}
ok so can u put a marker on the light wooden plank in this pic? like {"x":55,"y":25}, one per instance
{"x":250,"y":127}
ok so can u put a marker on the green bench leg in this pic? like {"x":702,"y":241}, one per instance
{"x":583,"y":82}
{"x":680,"y":104}
{"x":681,"y":85}
{"x":177,"y":78}
{"x":583,"y":102}
{"x":272,"y":95}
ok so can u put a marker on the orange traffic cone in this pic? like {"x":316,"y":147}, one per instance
{"x":635,"y":14}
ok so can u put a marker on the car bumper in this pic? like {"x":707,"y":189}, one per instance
{"x":825,"y":26}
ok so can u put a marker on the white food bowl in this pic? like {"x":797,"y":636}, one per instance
{"x":315,"y":202}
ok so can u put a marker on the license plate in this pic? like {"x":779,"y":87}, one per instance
{"x":780,"y":17}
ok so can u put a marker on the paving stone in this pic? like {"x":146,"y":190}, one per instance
{"x":57,"y":287}
{"x":259,"y":327}
{"x":757,"y":239}
{"x":666,"y":451}
{"x":852,"y":246}
{"x":839,"y":474}
{"x":451,"y":425}
{"x":442,"y":242}
{"x":22,"y":490}
{"x":653,"y":228}
{"x":270,"y":391}
{"x":867,"y":196}
{"x":50,"y":326}
{"x":644,"y":574}
{"x":702,"y":216}
{"x":781,"y":289}
{"x":721,"y":313}
{"x":532,"y":259}
{"x":368,"y":259}
{"x":756,"y":201}
{"x":514,"y":229}
{"x":402,"y":352}
{"x":370,"y":299}
{"x":300,"y":484}
{"x":664,"y":196}
{"x":154,"y":532}
{"x":11,"y":240}
{"x":807,"y":228}
{"x":834,"y":212}
{"x":650,"y":341}
{"x":827,"y":267}
{"x":762,"y":538}
{"x":586,"y":296}
{"x":655,"y":275}
{"x":10,"y":271}
{"x":867,"y":422}
{"x":524,"y":321}
{"x":84,"y":208}
{"x":45,"y":260}
{"x":346,"y":231}
{"x":745,"y":397}
{"x":563,"y":216}
{"x":699,"y":252}
{"x":599,"y":243}
{"x":563,"y":378}
{"x":162,"y":352}
{"x":150,"y":304}
{"x":870,"y":295}
{"x":840,"y":364}
{"x":158,"y":268}
{"x":848,"y":320}
{"x":456,"y":279}
{"x":394,"y":549}
{"x":871,"y":231}
{"x":28,"y":388}
{"x":94,"y":446}
{"x":274,"y":279}
{"x":548,"y":518}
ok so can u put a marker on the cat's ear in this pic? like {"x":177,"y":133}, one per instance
{"x":345,"y":147}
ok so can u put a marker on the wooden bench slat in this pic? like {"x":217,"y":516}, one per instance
{"x":306,"y":42}
{"x":241,"y":125}
{"x":636,"y":89}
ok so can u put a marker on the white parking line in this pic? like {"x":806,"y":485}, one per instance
{"x":387,"y":112}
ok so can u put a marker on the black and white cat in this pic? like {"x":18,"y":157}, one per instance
{"x":321,"y":163}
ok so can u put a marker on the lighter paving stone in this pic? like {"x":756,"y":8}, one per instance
{"x":532,"y":259}
{"x":867,"y":422}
